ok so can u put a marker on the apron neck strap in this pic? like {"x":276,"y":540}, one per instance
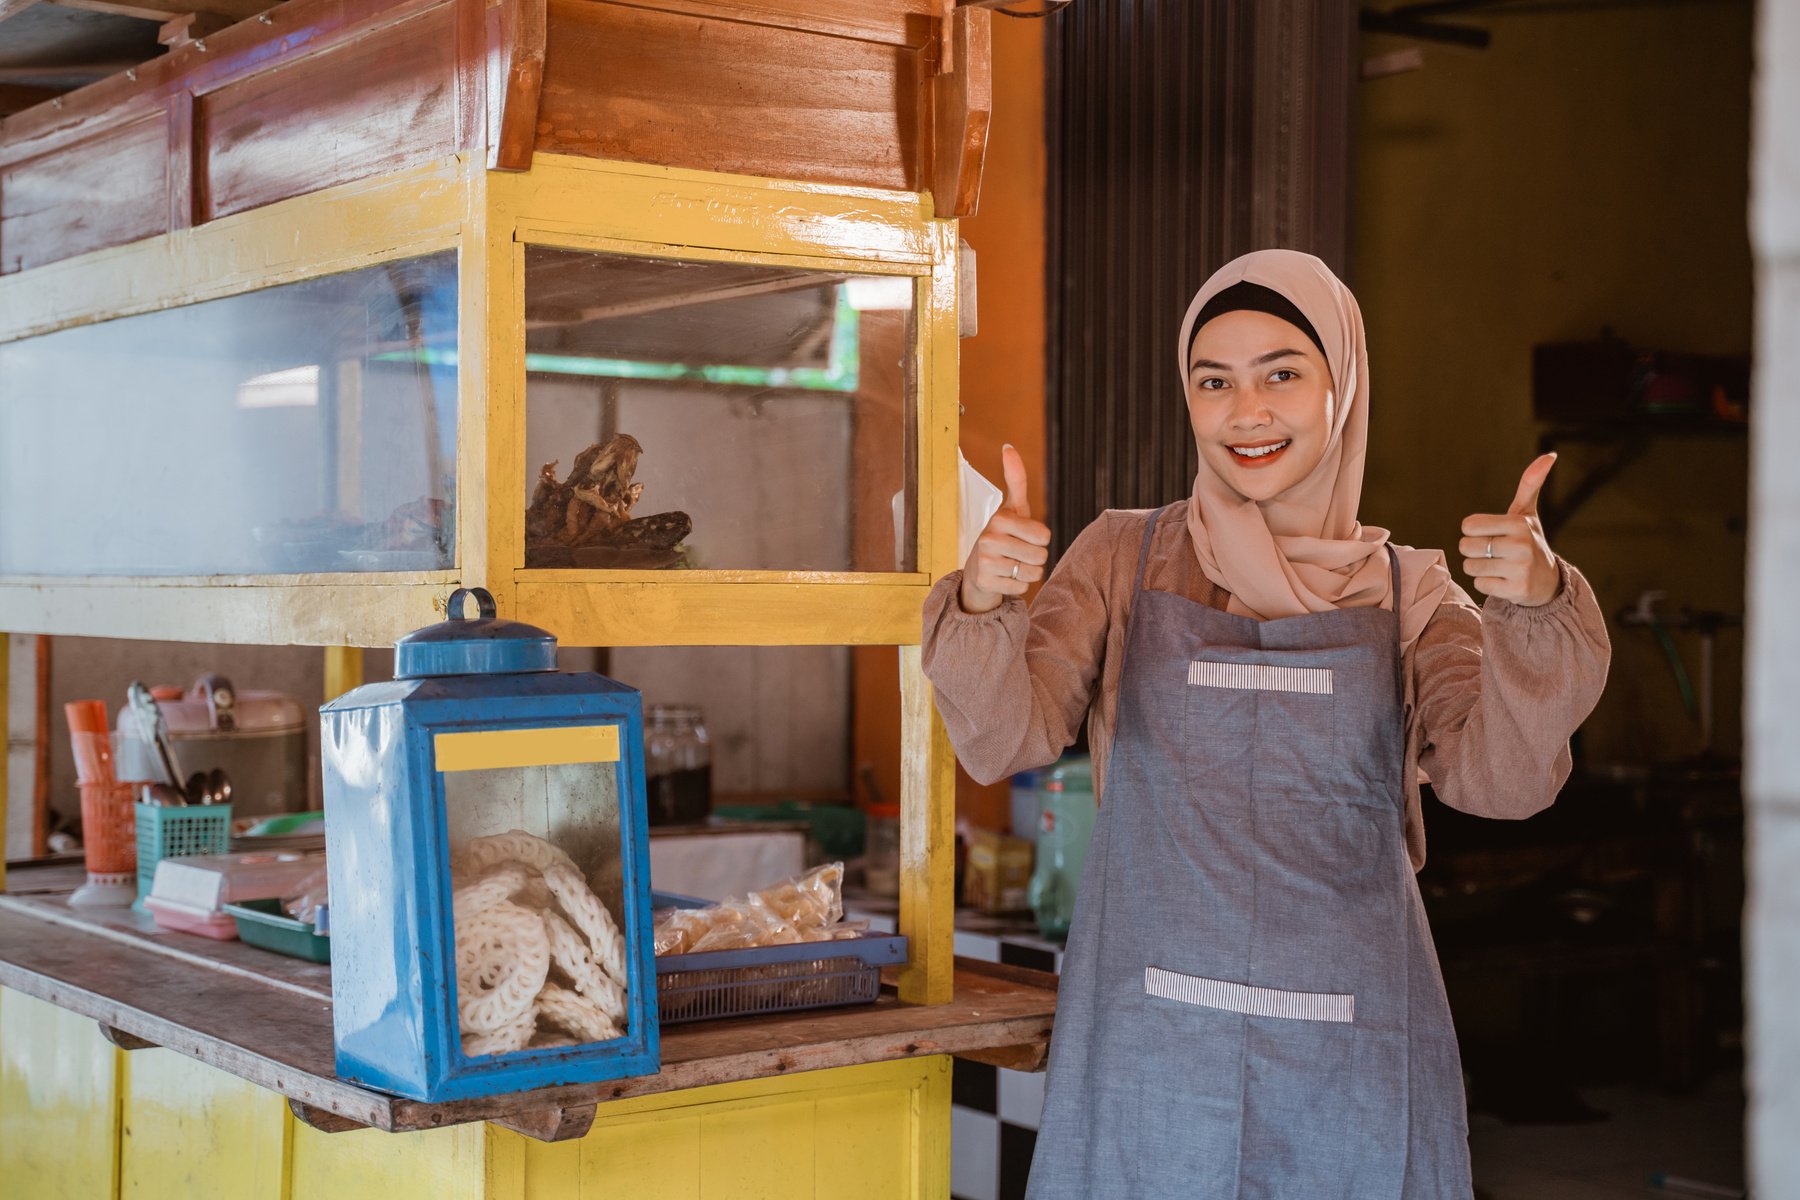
{"x":1144,"y":550}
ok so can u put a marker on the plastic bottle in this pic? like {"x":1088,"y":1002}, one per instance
{"x":1065,"y":825}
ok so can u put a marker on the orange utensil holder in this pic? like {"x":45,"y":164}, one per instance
{"x":109,"y":829}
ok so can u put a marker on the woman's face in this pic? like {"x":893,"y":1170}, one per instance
{"x":1260,"y":398}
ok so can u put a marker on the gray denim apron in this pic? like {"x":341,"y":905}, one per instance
{"x":1250,"y":1006}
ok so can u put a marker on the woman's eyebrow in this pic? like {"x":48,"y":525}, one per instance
{"x":1258,"y":361}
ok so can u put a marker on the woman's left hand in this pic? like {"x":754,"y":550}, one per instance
{"x":1507,"y":555}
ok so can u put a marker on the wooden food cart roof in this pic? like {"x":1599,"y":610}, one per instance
{"x":250,"y":103}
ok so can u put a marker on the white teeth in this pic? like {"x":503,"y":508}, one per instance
{"x":1259,"y":451}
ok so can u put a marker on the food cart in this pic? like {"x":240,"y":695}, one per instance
{"x":419,"y":243}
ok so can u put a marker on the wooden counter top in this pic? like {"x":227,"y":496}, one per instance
{"x":267,"y":1019}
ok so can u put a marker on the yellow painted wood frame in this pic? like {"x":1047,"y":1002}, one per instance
{"x":490,"y":217}
{"x":83,"y":1119}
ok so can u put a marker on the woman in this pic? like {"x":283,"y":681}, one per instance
{"x":1250,"y":1003}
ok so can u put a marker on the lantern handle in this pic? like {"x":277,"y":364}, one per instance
{"x":484,"y":604}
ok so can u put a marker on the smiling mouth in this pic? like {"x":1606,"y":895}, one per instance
{"x":1256,"y":456}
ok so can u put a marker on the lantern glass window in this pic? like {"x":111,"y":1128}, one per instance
{"x":536,"y":853}
{"x":766,"y":410}
{"x":309,"y":427}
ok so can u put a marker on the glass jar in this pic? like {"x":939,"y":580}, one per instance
{"x":881,"y":850}
{"x":677,"y":765}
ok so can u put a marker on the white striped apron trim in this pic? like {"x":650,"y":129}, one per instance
{"x":1255,"y":677}
{"x":1251,"y":1001}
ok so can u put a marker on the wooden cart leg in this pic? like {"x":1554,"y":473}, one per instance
{"x":343,"y":670}
{"x":5,"y":741}
{"x":927,"y":839}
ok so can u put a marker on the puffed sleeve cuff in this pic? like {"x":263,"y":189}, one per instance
{"x":1560,"y":649}
{"x":944,"y":614}
{"x":1571,"y":591}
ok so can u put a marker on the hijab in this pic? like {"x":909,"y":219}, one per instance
{"x":1304,"y":551}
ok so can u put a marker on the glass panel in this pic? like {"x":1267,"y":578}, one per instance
{"x":538,"y":911}
{"x":308,"y":427}
{"x":765,"y":723}
{"x":717,"y":415}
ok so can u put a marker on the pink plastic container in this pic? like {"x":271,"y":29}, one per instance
{"x":185,"y":918}
{"x":189,"y":894}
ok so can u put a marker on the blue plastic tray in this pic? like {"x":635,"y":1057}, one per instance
{"x":770,"y":979}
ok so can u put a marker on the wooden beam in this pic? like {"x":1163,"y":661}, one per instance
{"x":961,"y":103}
{"x":28,"y":76}
{"x":181,"y":160}
{"x":1030,"y":1058}
{"x":190,"y":27}
{"x":14,"y":98}
{"x":292,"y":33}
{"x":515,"y":84}
{"x":168,"y":10}
{"x":552,"y":1124}
{"x":321,"y":1119}
{"x":123,"y":1040}
{"x":40,"y":767}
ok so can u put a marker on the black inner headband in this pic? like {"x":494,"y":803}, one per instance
{"x":1256,"y":298}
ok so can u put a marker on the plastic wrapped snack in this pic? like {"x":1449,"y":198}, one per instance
{"x":677,"y":929}
{"x":309,"y":895}
{"x":805,"y":908}
{"x":810,"y":901}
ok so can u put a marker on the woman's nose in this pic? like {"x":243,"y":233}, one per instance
{"x":1248,"y":410}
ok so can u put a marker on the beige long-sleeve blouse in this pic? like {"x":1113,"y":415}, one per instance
{"x":1492,"y":693}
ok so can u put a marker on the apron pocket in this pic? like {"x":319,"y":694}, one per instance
{"x":1259,"y":677}
{"x":1250,"y":1001}
{"x":1258,"y":720}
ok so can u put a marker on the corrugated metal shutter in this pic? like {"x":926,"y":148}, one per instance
{"x":1181,"y":133}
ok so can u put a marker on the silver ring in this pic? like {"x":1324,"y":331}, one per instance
{"x":1490,"y":549}
{"x":1015,"y":573}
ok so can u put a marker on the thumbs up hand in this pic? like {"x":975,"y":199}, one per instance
{"x":1507,"y":555}
{"x":1010,"y":554}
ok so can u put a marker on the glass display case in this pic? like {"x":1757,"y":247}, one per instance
{"x":718,"y":415}
{"x":305,"y":428}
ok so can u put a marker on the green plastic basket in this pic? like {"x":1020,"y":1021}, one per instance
{"x":262,"y":923}
{"x":178,"y":832}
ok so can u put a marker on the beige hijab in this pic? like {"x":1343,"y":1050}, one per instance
{"x":1304,"y":551}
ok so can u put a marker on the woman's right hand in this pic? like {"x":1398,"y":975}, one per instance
{"x":1010,"y":554}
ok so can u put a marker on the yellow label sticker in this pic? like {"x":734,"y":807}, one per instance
{"x":499,"y":749}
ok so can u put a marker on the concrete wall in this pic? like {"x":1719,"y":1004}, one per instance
{"x":1773,"y":685}
{"x":1586,"y":170}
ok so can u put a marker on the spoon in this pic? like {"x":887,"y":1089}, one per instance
{"x":209,"y":787}
{"x":161,"y":795}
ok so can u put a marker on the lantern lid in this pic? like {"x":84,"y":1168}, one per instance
{"x":483,"y":645}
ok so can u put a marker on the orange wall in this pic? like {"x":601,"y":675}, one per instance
{"x":1002,"y":371}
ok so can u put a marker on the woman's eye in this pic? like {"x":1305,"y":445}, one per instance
{"x":1210,"y":385}
{"x":1283,"y":375}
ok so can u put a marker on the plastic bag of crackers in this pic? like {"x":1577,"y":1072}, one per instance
{"x":540,"y":960}
{"x":805,"y":908}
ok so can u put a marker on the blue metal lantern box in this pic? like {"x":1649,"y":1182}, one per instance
{"x":490,"y":874}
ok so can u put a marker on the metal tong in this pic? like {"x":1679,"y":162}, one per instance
{"x":150,"y":723}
